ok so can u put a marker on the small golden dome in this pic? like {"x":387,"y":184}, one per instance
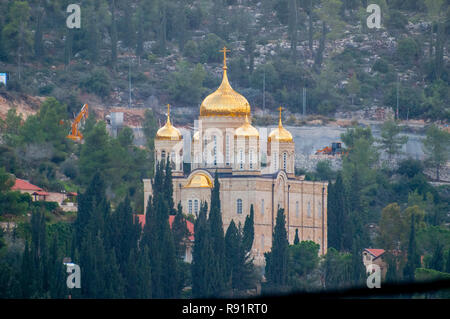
{"x":168,"y":132}
{"x":200,"y":180}
{"x":246,"y":130}
{"x":280,"y":134}
{"x":225,"y":101}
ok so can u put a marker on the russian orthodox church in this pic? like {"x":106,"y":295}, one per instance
{"x":252,"y":170}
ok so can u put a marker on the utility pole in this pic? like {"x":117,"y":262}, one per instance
{"x":304,"y":102}
{"x":397,"y":99}
{"x":264,"y":90}
{"x":129,"y":83}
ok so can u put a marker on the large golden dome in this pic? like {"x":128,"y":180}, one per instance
{"x":225,"y":101}
{"x":246,"y":129}
{"x":280,"y":134}
{"x":168,"y":131}
{"x":199,"y":180}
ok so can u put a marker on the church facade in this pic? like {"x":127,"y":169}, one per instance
{"x":252,"y":170}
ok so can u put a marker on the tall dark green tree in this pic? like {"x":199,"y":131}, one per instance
{"x":201,"y":255}
{"x":217,"y":239}
{"x":278,"y":258}
{"x":249,"y":230}
{"x":413,"y":260}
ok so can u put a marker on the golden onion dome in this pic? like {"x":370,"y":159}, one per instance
{"x":168,"y":131}
{"x":280,"y":134}
{"x":199,"y":180}
{"x":225,"y":101}
{"x":246,"y":130}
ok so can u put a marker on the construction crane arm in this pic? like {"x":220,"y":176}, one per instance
{"x":75,"y":133}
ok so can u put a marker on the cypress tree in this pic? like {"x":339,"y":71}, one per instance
{"x":249,"y":231}
{"x":180,"y":232}
{"x":447,"y":263}
{"x":217,"y":239}
{"x":277,"y":260}
{"x":168,"y":186}
{"x":231,"y":251}
{"x":296,"y":239}
{"x":144,"y":290}
{"x":202,"y":252}
{"x":437,"y":261}
{"x":413,"y":260}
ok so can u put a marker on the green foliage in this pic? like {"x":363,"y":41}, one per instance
{"x":277,"y":259}
{"x":436,"y":147}
{"x":407,"y":51}
{"x":98,"y":83}
{"x":390,"y":142}
{"x":186,"y":85}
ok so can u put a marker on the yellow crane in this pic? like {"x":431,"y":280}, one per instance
{"x":75,"y":134}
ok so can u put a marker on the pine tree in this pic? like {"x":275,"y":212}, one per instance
{"x":296,"y":239}
{"x":277,"y":260}
{"x":249,"y":230}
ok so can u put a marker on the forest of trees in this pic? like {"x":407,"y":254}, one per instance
{"x":167,"y":44}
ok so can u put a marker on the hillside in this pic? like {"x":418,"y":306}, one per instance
{"x":281,"y":46}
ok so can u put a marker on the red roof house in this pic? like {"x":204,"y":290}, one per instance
{"x":23,"y":185}
{"x":375,"y":252}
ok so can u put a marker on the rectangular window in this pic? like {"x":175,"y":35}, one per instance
{"x":241,"y":159}
{"x":297,"y":213}
{"x":239,"y":206}
{"x":251,"y":159}
{"x":284,"y":160}
{"x":196,"y":207}
{"x":215,"y":150}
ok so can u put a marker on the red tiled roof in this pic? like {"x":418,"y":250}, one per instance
{"x":41,"y":193}
{"x":23,"y":185}
{"x":375,"y":252}
{"x":72,"y":194}
{"x":189,"y":225}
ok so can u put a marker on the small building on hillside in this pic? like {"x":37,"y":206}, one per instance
{"x":375,"y":256}
{"x":189,"y":242}
{"x":67,"y":201}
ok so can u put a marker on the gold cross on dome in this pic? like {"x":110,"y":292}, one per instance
{"x":224,"y":50}
{"x":168,"y":109}
{"x":279,"y":122}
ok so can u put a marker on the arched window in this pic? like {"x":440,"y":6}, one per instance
{"x":190,"y":206}
{"x":309,"y":209}
{"x":284,"y":160}
{"x":239,"y":206}
{"x":297,"y":210}
{"x":251,"y":158}
{"x":241,"y":159}
{"x":262,"y":207}
{"x":163,"y":155}
{"x":196,"y":207}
